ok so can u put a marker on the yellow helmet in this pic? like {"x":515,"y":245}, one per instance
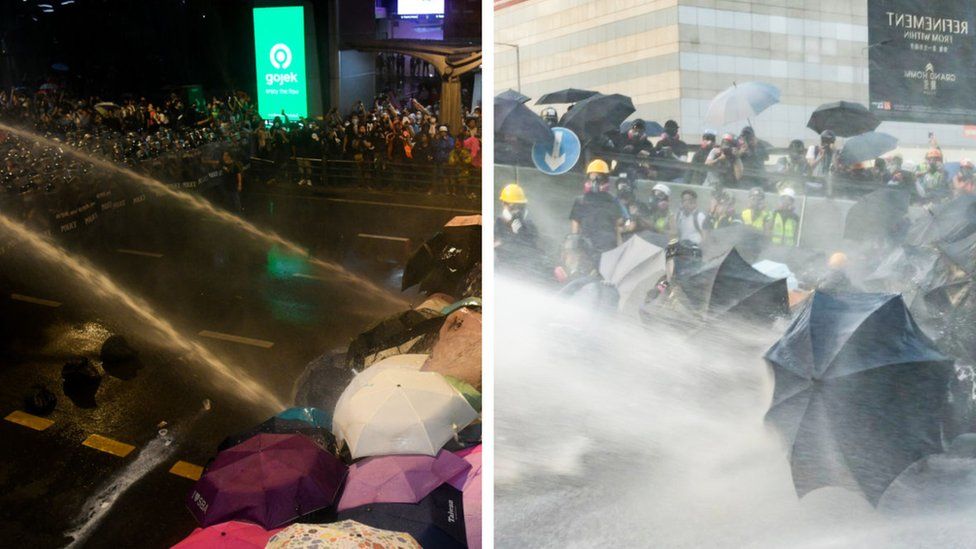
{"x":598,"y":166}
{"x":513,"y":194}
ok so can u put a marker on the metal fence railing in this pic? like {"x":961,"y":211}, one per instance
{"x":377,"y":174}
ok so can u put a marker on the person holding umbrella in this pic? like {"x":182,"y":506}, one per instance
{"x":785,"y":220}
{"x":725,"y":166}
{"x":820,"y":157}
{"x":753,"y":155}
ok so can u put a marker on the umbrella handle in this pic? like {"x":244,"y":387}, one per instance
{"x":799,"y":225}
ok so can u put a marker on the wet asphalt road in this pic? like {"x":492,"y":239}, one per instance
{"x":199,"y":276}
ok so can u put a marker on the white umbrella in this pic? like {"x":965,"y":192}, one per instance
{"x":773,"y":269}
{"x":407,"y":361}
{"x":629,"y":264}
{"x":741,"y":102}
{"x":400,"y":411}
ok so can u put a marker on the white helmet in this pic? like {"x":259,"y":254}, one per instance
{"x":663,"y":188}
{"x":788,"y":191}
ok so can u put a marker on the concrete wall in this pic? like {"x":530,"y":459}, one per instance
{"x":673,"y":56}
{"x":551,"y":198}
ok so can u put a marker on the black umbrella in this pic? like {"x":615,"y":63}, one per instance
{"x":593,"y":117}
{"x":277,"y":425}
{"x":878,"y":215}
{"x":513,"y":119}
{"x":844,"y":118}
{"x":437,"y":521}
{"x":962,"y":252}
{"x":747,"y":241}
{"x":867,"y":146}
{"x":860,"y":392}
{"x":441,"y":263}
{"x":513,"y":95}
{"x":731,"y":286}
{"x":955,"y":219}
{"x":650,"y":128}
{"x":569,"y":95}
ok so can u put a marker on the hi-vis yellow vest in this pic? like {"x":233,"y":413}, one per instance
{"x":758,"y":221}
{"x":784,"y":230}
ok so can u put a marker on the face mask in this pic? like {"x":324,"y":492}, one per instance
{"x":933,"y":166}
{"x":507,"y":214}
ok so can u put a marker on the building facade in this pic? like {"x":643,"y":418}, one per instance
{"x":673,"y":56}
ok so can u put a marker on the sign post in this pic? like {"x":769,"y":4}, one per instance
{"x":559,"y":156}
{"x":279,"y":59}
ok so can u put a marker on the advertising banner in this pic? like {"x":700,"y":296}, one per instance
{"x":279,"y":59}
{"x":921,"y":60}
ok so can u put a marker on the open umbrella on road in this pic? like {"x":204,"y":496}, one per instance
{"x":598,"y":114}
{"x":399,"y":479}
{"x":227,"y":535}
{"x":443,"y":261}
{"x":878,"y":215}
{"x":457,"y":352}
{"x":470,"y":485}
{"x":276,"y":425}
{"x":347,"y":534}
{"x":741,"y":102}
{"x":267,"y":479}
{"x":729,"y":285}
{"x":514,"y":119}
{"x":436,"y":521}
{"x":867,"y":146}
{"x":400,"y":411}
{"x":860,"y":392}
{"x":629,"y":264}
{"x":513,"y":95}
{"x":844,"y":118}
{"x":747,"y":241}
{"x":569,"y":95}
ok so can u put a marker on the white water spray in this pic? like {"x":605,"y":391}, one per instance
{"x":245,"y":386}
{"x":610,"y":434}
{"x":200,"y":205}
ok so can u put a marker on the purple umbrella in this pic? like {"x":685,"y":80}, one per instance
{"x":267,"y":479}
{"x":399,"y":479}
{"x":470,"y":486}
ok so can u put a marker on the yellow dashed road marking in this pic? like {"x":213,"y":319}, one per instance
{"x":28,"y":420}
{"x":109,"y":446}
{"x":186,"y":470}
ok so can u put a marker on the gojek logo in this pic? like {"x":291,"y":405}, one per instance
{"x":280,"y":59}
{"x":280,"y":56}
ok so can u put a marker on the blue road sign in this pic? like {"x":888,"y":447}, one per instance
{"x":559,"y":156}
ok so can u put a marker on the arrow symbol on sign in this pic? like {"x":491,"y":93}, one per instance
{"x":555,"y":159}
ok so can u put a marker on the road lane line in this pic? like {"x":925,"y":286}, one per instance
{"x":109,"y":446}
{"x":138,"y":252}
{"x":383,"y":237}
{"x":35,"y":300}
{"x":186,"y":470}
{"x":237,"y":339}
{"x":28,"y":420}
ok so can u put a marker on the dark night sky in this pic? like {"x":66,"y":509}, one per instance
{"x":133,"y":46}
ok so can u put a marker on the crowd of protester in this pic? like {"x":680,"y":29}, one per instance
{"x":133,"y":130}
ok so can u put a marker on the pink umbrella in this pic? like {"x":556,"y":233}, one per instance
{"x":399,"y":479}
{"x":470,"y":485}
{"x":228,"y":535}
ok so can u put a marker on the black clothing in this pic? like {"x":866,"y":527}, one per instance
{"x":597,"y":214}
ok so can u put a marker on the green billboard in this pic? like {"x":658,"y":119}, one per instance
{"x":279,"y":59}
